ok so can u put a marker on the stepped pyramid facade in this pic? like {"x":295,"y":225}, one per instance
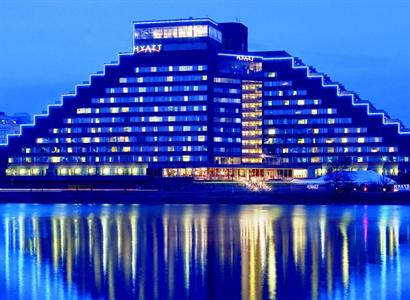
{"x":190,"y":100}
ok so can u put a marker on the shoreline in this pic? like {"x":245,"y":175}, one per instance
{"x":134,"y":196}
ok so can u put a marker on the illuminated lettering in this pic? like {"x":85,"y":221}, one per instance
{"x":245,"y":58}
{"x":312,"y":186}
{"x":401,"y":187}
{"x":148,"y":48}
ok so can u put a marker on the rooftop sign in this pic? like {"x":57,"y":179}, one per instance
{"x":148,"y":48}
{"x":245,"y":57}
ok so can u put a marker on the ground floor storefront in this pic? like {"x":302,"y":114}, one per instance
{"x":235,"y":173}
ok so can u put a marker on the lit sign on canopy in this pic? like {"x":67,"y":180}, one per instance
{"x":148,"y":48}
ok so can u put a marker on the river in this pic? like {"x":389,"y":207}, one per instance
{"x":204,"y":252}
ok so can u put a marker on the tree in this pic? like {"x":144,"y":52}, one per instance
{"x":337,"y":170}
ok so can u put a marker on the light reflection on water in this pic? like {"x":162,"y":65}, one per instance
{"x":204,"y":252}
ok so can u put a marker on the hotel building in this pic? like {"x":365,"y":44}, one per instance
{"x":190,"y":100}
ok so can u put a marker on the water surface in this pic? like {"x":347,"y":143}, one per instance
{"x":204,"y":252}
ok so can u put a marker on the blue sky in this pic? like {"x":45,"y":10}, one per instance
{"x":48,"y":46}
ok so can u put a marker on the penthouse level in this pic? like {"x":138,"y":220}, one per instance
{"x":191,"y":100}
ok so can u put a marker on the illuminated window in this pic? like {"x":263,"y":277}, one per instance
{"x":106,"y":171}
{"x":63,"y":171}
{"x":315,"y":160}
{"x":271,"y":131}
{"x":360,"y":140}
{"x":77,"y":171}
{"x":314,"y":111}
{"x":391,"y":149}
{"x":120,"y":171}
{"x":316,"y":130}
{"x":300,"y":102}
{"x":186,"y":158}
{"x":300,"y":173}
{"x":285,"y":150}
{"x":55,"y":159}
{"x":83,"y":110}
{"x":344,"y":140}
{"x":155,"y":119}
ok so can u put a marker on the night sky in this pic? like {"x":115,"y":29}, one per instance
{"x":46,"y":47}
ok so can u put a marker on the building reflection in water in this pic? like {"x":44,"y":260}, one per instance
{"x":203,"y":252}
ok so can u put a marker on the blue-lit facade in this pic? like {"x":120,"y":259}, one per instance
{"x":190,"y":100}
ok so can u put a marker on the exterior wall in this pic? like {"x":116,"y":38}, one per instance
{"x":180,"y":103}
{"x":309,"y":125}
{"x":148,"y":109}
